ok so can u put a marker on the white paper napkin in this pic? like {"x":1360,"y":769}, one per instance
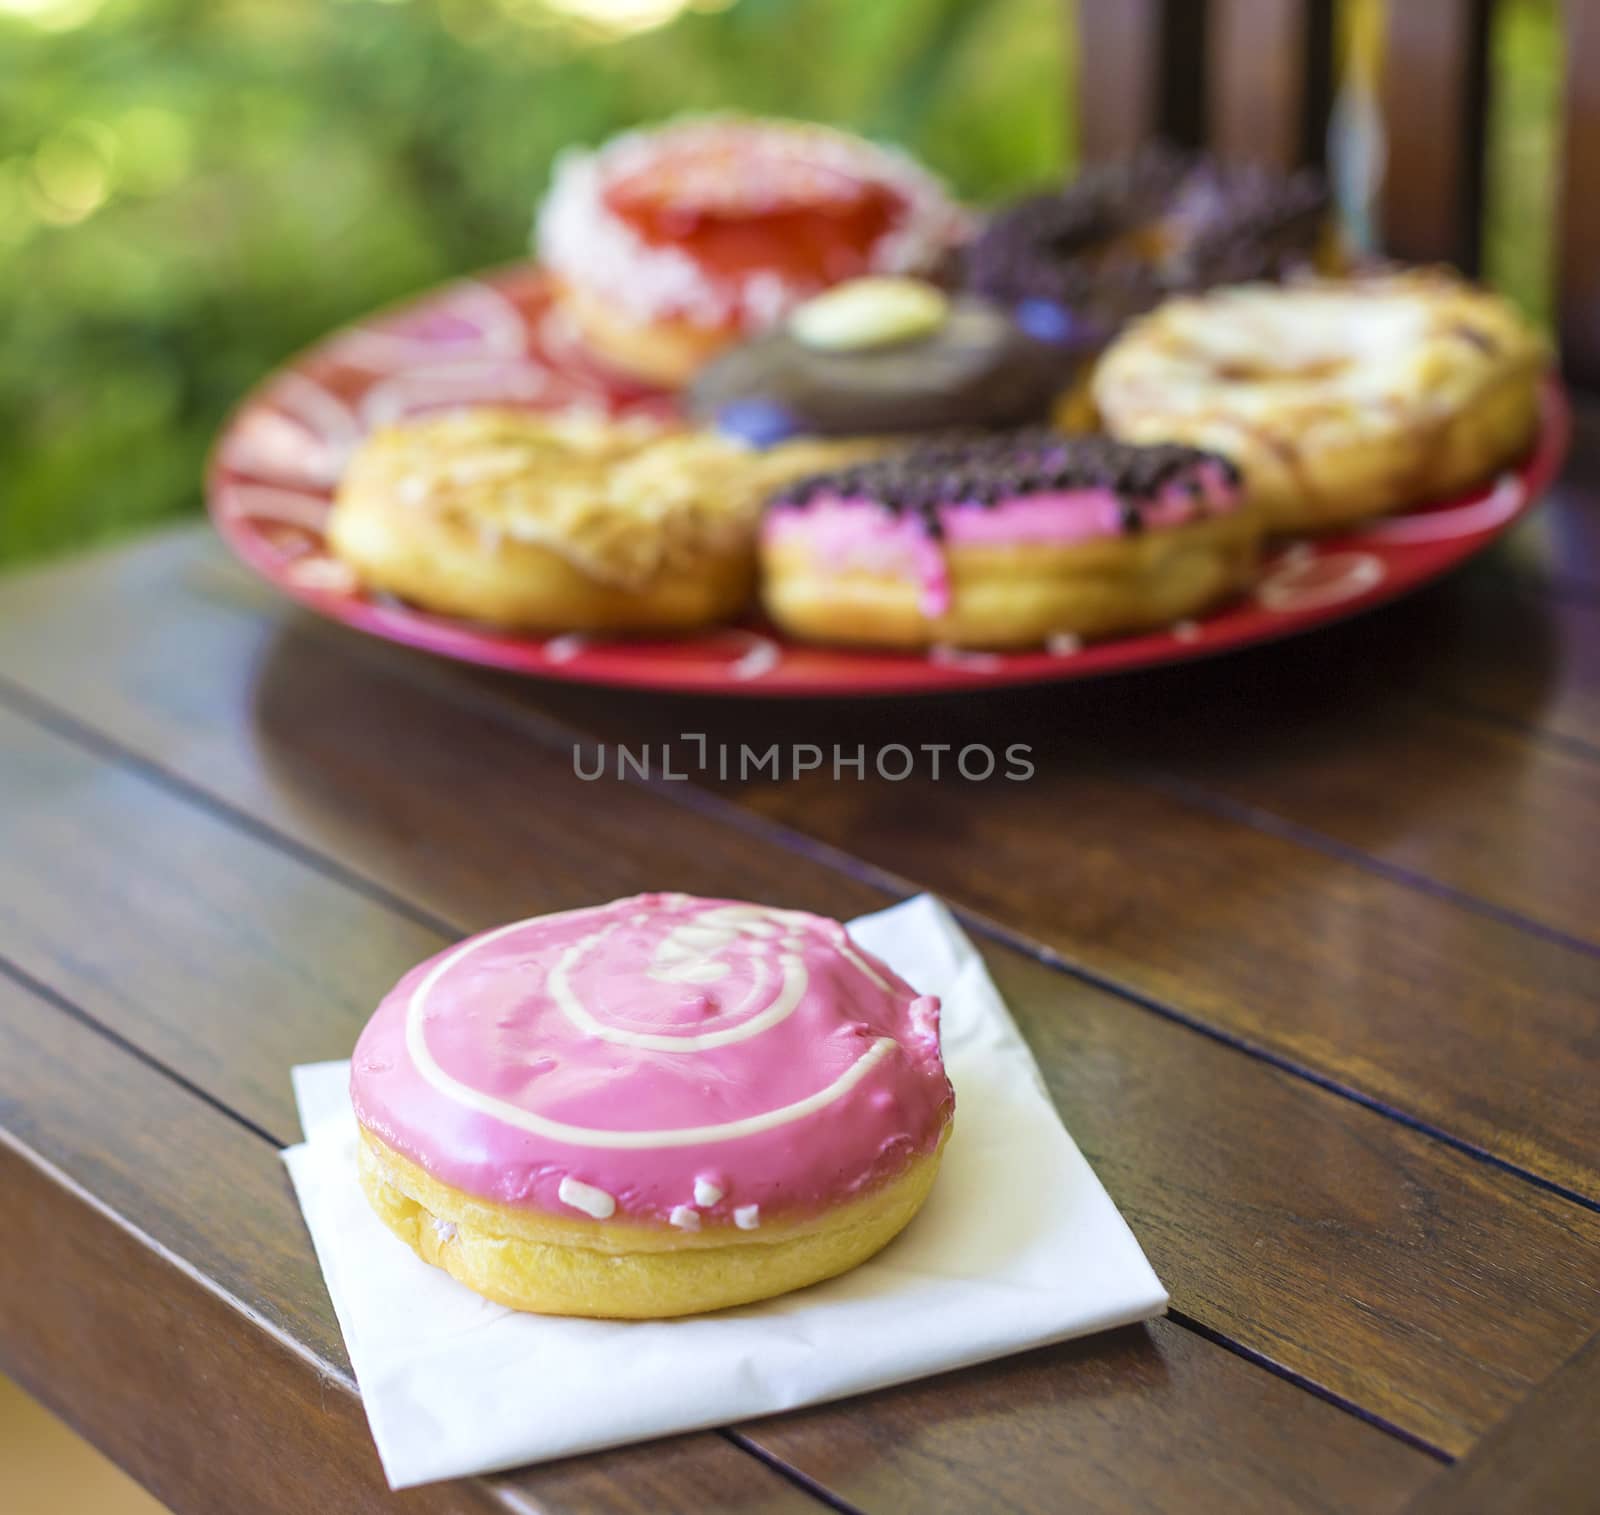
{"x":1018,"y":1245}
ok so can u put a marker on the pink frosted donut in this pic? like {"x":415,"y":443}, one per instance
{"x":1006,"y":539}
{"x":652,"y":1107}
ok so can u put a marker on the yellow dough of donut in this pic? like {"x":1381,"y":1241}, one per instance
{"x":561,"y":523}
{"x":1339,"y":399}
{"x":1017,"y":596}
{"x":557,"y":1266}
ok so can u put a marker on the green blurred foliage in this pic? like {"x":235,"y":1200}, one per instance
{"x":190,"y":190}
{"x":1525,"y":97}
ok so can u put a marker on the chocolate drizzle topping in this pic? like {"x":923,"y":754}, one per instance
{"x":1123,"y":236}
{"x":986,"y":467}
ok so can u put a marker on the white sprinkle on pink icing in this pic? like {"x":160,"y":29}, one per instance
{"x":685,"y":1217}
{"x":706,"y":1192}
{"x":581,"y":1196}
{"x":747,"y":1217}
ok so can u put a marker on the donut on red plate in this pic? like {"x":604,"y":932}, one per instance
{"x":669,"y":245}
{"x":1341,"y":398}
{"x":1075,"y":264}
{"x":561,"y":522}
{"x":656,"y":1107}
{"x":1006,"y":539}
{"x":881,"y":356}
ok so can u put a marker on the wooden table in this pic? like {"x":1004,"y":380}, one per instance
{"x":1306,"y":941}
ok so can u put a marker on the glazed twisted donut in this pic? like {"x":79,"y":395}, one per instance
{"x":1339,"y":399}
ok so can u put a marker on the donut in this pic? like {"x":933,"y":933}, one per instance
{"x":1005,"y":540}
{"x":1079,"y":262}
{"x":656,"y":1107}
{"x":668,"y":245}
{"x":1340,"y":399}
{"x":882,"y":356}
{"x":559,"y":523}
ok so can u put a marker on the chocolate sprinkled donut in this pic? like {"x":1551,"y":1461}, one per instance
{"x":1006,"y":539}
{"x":984,"y":468}
{"x":1123,"y":236}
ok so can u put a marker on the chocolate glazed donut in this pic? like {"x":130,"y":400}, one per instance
{"x":978,"y":368}
{"x":1077,"y":263}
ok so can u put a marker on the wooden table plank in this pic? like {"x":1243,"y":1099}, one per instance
{"x":1180,"y":1125}
{"x":1151,"y":891}
{"x":1402,"y":997}
{"x":1545,"y":1457}
{"x":1487,"y":646}
{"x":1439,"y":799}
{"x":990,"y":1440}
{"x":158,"y":1290}
{"x":1558,"y":546}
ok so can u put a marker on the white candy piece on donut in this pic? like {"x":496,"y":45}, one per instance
{"x":586,"y":1197}
{"x":706,"y":1192}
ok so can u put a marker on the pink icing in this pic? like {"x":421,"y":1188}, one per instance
{"x":845,"y":533}
{"x":549,"y":1050}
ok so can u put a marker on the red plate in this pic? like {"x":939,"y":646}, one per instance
{"x":498,"y":339}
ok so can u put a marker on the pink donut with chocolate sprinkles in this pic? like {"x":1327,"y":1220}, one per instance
{"x":1005,"y":540}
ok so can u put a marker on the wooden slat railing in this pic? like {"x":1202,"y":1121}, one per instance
{"x":1269,"y":80}
{"x":1435,"y":110}
{"x":1255,"y":80}
{"x":1138,"y":76}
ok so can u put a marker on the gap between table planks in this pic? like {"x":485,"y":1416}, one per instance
{"x":224,"y":747}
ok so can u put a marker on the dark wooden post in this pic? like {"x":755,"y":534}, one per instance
{"x":1578,"y":202}
{"x":1435,"y":109}
{"x":1139,"y":74}
{"x":1269,"y":80}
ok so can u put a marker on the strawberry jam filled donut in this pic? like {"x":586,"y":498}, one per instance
{"x":1340,"y":399}
{"x":1006,"y":540}
{"x":655,"y":1107}
{"x":669,"y":245}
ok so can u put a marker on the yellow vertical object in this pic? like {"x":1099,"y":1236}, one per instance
{"x":1355,"y":133}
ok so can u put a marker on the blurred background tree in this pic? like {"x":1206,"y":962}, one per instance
{"x":190,"y":190}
